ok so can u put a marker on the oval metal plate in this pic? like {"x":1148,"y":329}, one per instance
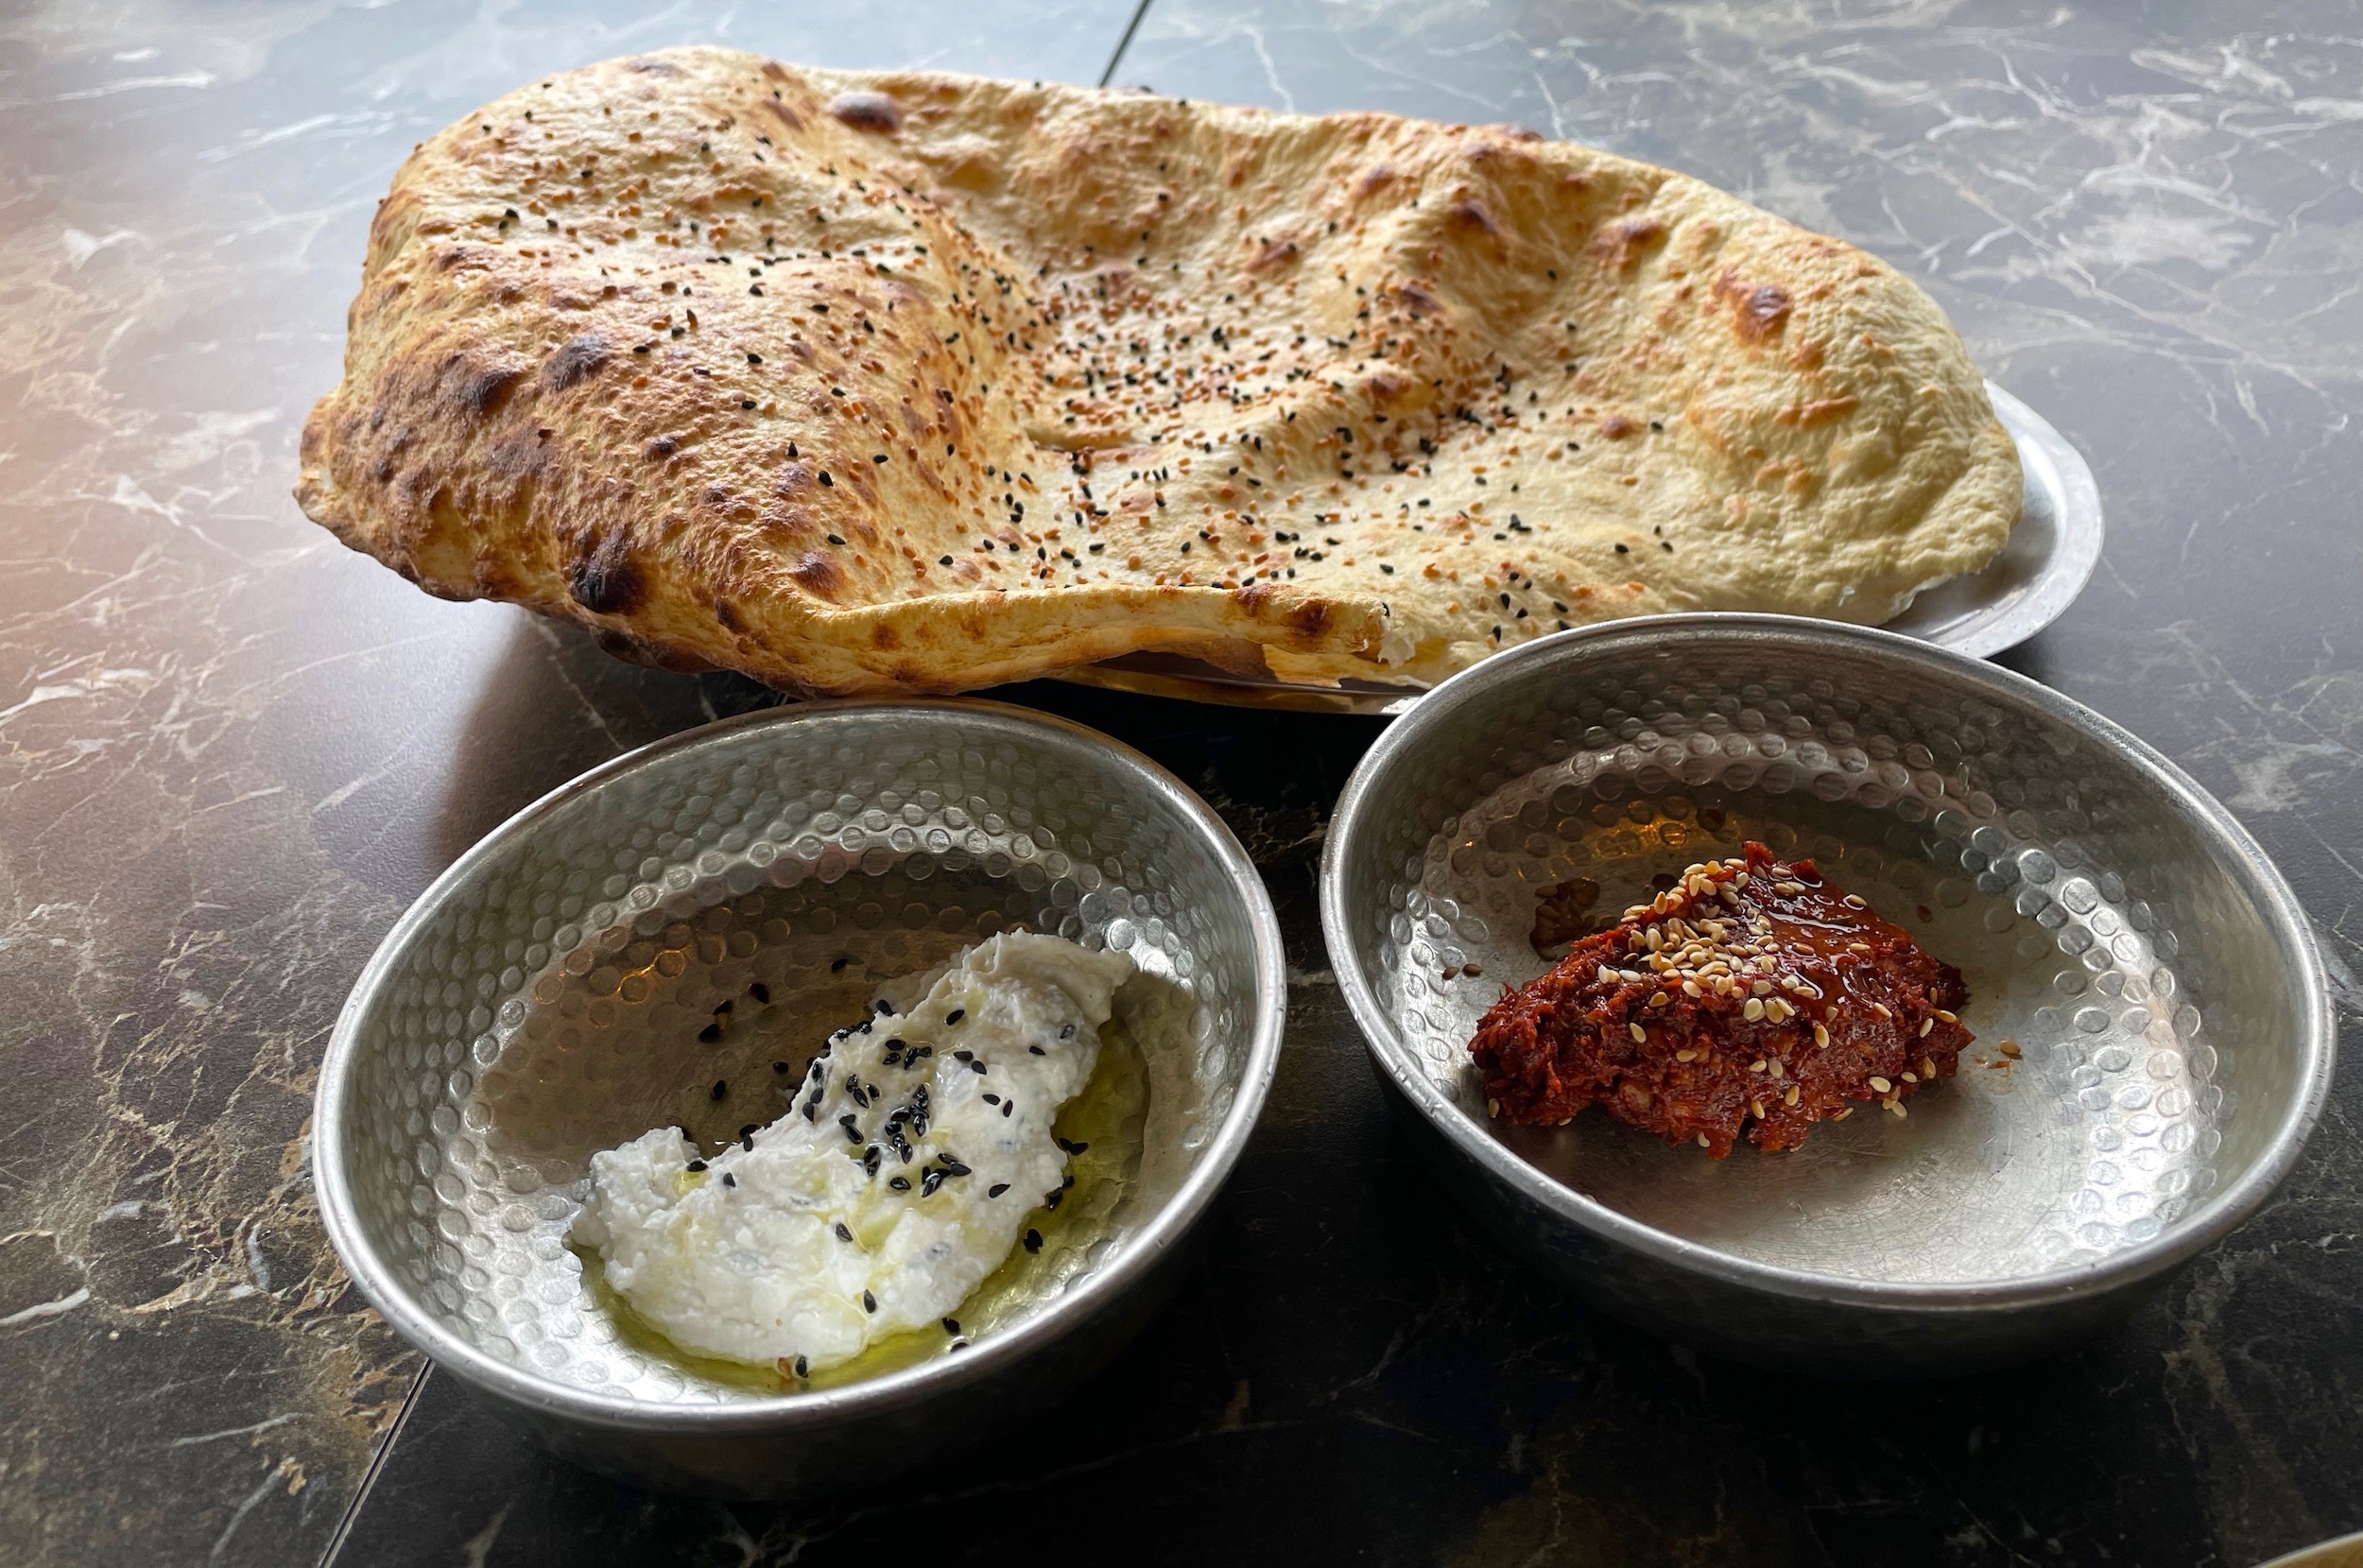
{"x":2050,"y":556}
{"x":2345,"y":1552}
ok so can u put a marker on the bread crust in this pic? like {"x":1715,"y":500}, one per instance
{"x":867,"y":381}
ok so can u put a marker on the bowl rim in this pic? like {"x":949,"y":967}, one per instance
{"x":2255,"y":873}
{"x":904,"y":1387}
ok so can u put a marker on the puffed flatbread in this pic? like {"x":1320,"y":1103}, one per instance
{"x":912,"y":382}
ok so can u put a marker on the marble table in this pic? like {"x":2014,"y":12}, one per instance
{"x":232,"y":752}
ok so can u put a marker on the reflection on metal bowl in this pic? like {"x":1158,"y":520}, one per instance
{"x":544,"y":1000}
{"x":2169,"y":1030}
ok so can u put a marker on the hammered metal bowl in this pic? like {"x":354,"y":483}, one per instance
{"x":2149,"y":967}
{"x":544,"y":1000}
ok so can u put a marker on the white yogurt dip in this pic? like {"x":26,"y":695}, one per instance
{"x":900,"y":1177}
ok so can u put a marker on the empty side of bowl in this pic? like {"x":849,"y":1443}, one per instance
{"x":2153,"y":1036}
{"x":1699,"y":1306}
{"x":642,"y":947}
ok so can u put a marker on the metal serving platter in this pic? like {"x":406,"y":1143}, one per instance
{"x":2345,"y":1552}
{"x":2049,"y":558}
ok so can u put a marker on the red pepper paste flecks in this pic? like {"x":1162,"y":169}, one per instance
{"x":1750,"y":991}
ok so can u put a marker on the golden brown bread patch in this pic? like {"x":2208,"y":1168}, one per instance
{"x":860,"y":382}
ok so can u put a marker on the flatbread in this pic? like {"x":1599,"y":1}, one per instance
{"x":862,"y":382}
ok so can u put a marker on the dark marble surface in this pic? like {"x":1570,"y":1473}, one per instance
{"x":232,"y":752}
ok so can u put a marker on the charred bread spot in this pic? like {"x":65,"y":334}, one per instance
{"x":575,"y":360}
{"x":1818,"y":411}
{"x":650,"y":655}
{"x":1418,"y":298}
{"x":389,"y":456}
{"x":1273,"y":253}
{"x":619,"y":644}
{"x":515,"y":455}
{"x":473,"y":391}
{"x":820,"y":574}
{"x":1621,"y":243}
{"x":874,"y":112}
{"x":1763,"y":312}
{"x":608,"y":581}
{"x":1468,"y":213}
{"x":1758,"y":310}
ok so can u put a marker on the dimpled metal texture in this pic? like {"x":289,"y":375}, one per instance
{"x":551,"y":1001}
{"x":2159,"y":1050}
